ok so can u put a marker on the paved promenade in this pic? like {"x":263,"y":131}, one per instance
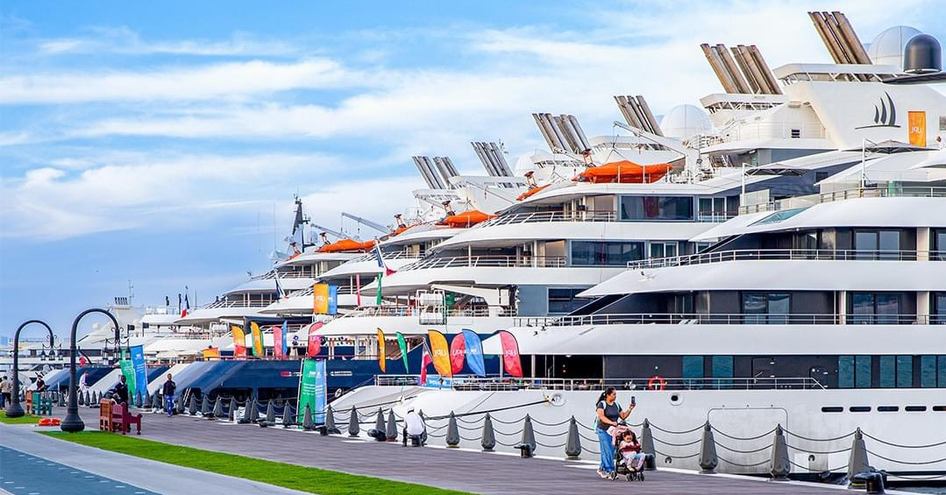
{"x":495,"y":474}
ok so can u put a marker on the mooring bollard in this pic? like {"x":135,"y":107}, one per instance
{"x":254,"y":411}
{"x":205,"y":406}
{"x":270,"y":413}
{"x":527,"y":444}
{"x":287,"y":416}
{"x":781,"y":466}
{"x":708,"y":458}
{"x":353,"y":427}
{"x":390,"y":431}
{"x":307,"y":419}
{"x":379,"y":420}
{"x":330,"y":427}
{"x":647,"y":447}
{"x":488,"y":442}
{"x":192,"y":405}
{"x":218,"y":409}
{"x":247,"y":415}
{"x":858,"y":461}
{"x":453,"y":432}
{"x":573,"y":442}
{"x":231,"y":411}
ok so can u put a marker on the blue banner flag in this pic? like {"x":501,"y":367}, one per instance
{"x":474,"y":352}
{"x":141,"y":369}
{"x":332,"y":299}
{"x":285,"y":339}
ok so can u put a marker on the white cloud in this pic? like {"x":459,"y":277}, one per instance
{"x":125,"y":41}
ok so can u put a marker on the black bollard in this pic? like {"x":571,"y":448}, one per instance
{"x":390,"y":430}
{"x":453,"y":432}
{"x":287,"y":416}
{"x":353,"y":427}
{"x":307,"y":424}
{"x":379,"y":421}
{"x":192,"y":406}
{"x":330,"y":428}
{"x":858,"y":461}
{"x":488,"y":442}
{"x":270,"y":419}
{"x":647,"y":447}
{"x":218,"y":409}
{"x":573,"y":442}
{"x":527,"y":445}
{"x":708,"y":458}
{"x":780,"y":466}
{"x":205,"y":406}
{"x":146,"y":400}
{"x":254,"y":412}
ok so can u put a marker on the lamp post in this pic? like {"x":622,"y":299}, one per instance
{"x":13,"y":408}
{"x":72,"y":422}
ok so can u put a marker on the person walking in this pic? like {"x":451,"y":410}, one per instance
{"x":609,"y":413}
{"x":167,"y":390}
{"x":3,"y":392}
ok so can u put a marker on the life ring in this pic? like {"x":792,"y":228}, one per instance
{"x":656,"y":382}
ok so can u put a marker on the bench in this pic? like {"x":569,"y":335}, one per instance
{"x":122,"y":419}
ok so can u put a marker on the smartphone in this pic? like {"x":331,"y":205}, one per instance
{"x":633,"y":401}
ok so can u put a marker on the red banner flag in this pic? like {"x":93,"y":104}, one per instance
{"x":277,"y":342}
{"x":457,"y":353}
{"x":511,"y":363}
{"x":315,"y":340}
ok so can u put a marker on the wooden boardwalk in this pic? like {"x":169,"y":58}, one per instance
{"x":476,"y":472}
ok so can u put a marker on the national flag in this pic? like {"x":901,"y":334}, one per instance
{"x":239,"y":341}
{"x":425,"y":360}
{"x":474,"y":352}
{"x":257,"y":334}
{"x":381,"y":264}
{"x":186,"y":308}
{"x":279,"y":291}
{"x":510,"y":360}
{"x":402,"y":344}
{"x":440,"y":353}
{"x":314,"y":344}
{"x":278,"y":339}
{"x":382,"y":356}
{"x":457,"y":352}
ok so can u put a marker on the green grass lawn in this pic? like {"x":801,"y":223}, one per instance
{"x":22,"y":420}
{"x":300,"y":478}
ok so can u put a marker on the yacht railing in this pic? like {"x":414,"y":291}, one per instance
{"x":853,"y":193}
{"x":488,"y":261}
{"x":788,"y":254}
{"x":496,"y":383}
{"x":551,"y":216}
{"x":293,"y":274}
{"x":223,"y":303}
{"x":404,"y":253}
{"x":728,"y":319}
{"x":414,"y":311}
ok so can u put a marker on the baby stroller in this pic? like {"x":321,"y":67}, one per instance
{"x":621,"y":467}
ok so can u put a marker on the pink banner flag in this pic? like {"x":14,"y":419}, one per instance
{"x":277,"y":342}
{"x":315,"y":340}
{"x":457,"y":353}
{"x":511,"y":363}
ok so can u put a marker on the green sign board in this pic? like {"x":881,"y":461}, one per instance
{"x":128,"y":370}
{"x":313,"y":390}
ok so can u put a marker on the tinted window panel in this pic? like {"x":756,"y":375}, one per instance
{"x":928,"y":371}
{"x":656,"y":208}
{"x":845,"y":371}
{"x":862,"y":371}
{"x":904,"y":371}
{"x":888,"y":371}
{"x":606,"y":253}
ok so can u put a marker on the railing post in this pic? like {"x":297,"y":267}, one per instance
{"x":353,"y":427}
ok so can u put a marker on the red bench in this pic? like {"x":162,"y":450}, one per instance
{"x":122,"y":419}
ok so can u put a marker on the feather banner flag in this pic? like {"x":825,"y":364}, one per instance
{"x":425,"y":361}
{"x":239,"y":341}
{"x":314,"y":344}
{"x":382,"y":356}
{"x":510,"y":361}
{"x":402,"y":344}
{"x":457,"y":353}
{"x":258,"y":350}
{"x":278,"y":338}
{"x":285,"y":338}
{"x":474,"y":352}
{"x":440,"y":353}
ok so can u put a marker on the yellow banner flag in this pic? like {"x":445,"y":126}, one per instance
{"x":382,"y":358}
{"x":916,"y":131}
{"x":239,"y":341}
{"x":320,"y":299}
{"x":440,"y":353}
{"x":258,"y":350}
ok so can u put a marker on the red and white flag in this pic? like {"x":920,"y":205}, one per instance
{"x":425,"y":360}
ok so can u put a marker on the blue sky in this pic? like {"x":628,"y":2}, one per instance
{"x":162,"y":143}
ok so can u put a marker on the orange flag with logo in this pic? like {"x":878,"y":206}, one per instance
{"x":440,"y":353}
{"x":382,"y":358}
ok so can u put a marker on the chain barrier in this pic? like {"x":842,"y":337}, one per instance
{"x":753,"y":451}
{"x":909,"y":463}
{"x":698,"y":440}
{"x":727,"y":461}
{"x":902,"y":446}
{"x":676,"y":456}
{"x":817,"y":439}
{"x":810,"y":451}
{"x":671,"y":432}
{"x":743,"y":439}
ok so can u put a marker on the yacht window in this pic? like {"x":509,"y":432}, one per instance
{"x":693,"y":370}
{"x":928,"y":371}
{"x":564,"y":301}
{"x":882,"y":244}
{"x":888,"y":371}
{"x":663,"y":249}
{"x":875,"y":307}
{"x":939,"y":245}
{"x":845,"y":371}
{"x":862,"y":365}
{"x":723,"y":370}
{"x":595,"y":253}
{"x":938,"y":315}
{"x":656,"y":208}
{"x":761,"y":307}
{"x":904,"y":371}
{"x":941,"y":373}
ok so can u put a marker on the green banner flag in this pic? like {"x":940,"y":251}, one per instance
{"x":403,"y":345}
{"x":128,"y":370}
{"x":313,"y":390}
{"x":377,"y":297}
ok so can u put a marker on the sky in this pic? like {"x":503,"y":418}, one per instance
{"x":158,"y":145}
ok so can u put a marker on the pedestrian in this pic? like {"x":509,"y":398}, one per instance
{"x":414,"y":427}
{"x":121,"y":392}
{"x":609,"y":413}
{"x":168,"y":391}
{"x":40,"y":384}
{"x":3,"y":392}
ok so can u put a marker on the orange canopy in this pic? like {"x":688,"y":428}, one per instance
{"x":530,"y":192}
{"x":347,"y":245}
{"x":466,"y":218}
{"x":625,"y":171}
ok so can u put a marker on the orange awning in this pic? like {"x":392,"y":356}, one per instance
{"x":466,"y":218}
{"x":530,"y":192}
{"x":625,"y":171}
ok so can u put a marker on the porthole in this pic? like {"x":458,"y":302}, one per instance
{"x":859,"y":409}
{"x":832,"y":409}
{"x":676,"y":399}
{"x":914,"y":408}
{"x":939,"y":408}
{"x":888,"y":408}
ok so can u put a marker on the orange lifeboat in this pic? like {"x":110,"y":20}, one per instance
{"x":347,"y":245}
{"x":626,"y":172}
{"x":466,"y":218}
{"x":531,"y":191}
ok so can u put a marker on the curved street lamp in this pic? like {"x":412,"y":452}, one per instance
{"x":13,"y":408}
{"x":72,"y":422}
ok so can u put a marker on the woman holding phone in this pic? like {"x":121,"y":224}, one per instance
{"x":609,"y":413}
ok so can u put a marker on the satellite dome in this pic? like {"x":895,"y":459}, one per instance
{"x":923,"y":55}
{"x":887,"y":47}
{"x":685,"y":121}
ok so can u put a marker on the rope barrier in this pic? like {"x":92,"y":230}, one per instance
{"x":810,"y":451}
{"x":676,"y":456}
{"x":671,"y":432}
{"x":904,"y":446}
{"x":767,"y":447}
{"x":909,"y":463}
{"x":698,"y":440}
{"x":746,"y":439}
{"x":741,"y":464}
{"x":817,"y":439}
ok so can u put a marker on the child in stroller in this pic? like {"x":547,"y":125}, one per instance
{"x":628,"y":459}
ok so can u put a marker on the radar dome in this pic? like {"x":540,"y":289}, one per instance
{"x":887,"y":47}
{"x":685,"y":121}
